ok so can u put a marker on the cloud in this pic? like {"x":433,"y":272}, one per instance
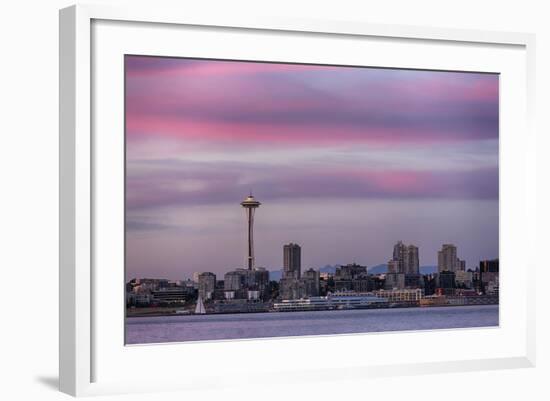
{"x":179,"y":183}
{"x":262,"y":104}
{"x":136,"y":225}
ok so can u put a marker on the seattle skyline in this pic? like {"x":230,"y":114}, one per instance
{"x":346,"y":161}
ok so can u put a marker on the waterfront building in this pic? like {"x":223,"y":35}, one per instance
{"x":488,"y":275}
{"x":234,"y":280}
{"x":292,"y":261}
{"x":413,"y":281}
{"x":352,"y":277}
{"x":325,"y":275}
{"x":350,"y":271}
{"x":331,"y":302}
{"x":405,"y":259}
{"x":488,"y":266}
{"x":400,"y":295}
{"x":133,"y":299}
{"x":292,"y":288}
{"x":190,"y":284}
{"x":429,"y":282}
{"x":239,"y":306}
{"x":447,"y":259}
{"x":394,"y":281}
{"x":377,"y":282}
{"x":242,"y":280}
{"x":492,"y":287}
{"x":411,"y":262}
{"x":400,"y":255}
{"x":170,"y":295}
{"x":250,"y":204}
{"x":393,"y":266}
{"x":446,"y":279}
{"x":207,"y":284}
{"x":464,"y":278}
{"x":311,"y":282}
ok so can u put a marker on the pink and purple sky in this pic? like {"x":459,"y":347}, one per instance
{"x":345,"y":160}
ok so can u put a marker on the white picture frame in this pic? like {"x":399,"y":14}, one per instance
{"x":78,"y":218}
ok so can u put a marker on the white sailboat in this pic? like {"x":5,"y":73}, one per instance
{"x":200,"y":309}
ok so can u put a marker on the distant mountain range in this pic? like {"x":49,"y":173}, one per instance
{"x":276,"y":275}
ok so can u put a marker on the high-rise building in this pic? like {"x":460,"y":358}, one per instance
{"x":406,"y":259}
{"x":399,"y":255}
{"x":311,"y":282}
{"x":250,"y":205}
{"x":207,"y":284}
{"x":446,"y":259}
{"x":393,"y":266}
{"x":292,"y":261}
{"x":411,"y":261}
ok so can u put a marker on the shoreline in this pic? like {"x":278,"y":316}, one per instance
{"x":173,"y":312}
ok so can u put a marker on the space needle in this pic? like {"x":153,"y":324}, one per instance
{"x":249,"y":205}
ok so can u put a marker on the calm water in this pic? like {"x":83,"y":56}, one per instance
{"x":140,"y":330}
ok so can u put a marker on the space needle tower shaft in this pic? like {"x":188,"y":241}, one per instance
{"x":250,"y":204}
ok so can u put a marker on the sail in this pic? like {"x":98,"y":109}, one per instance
{"x":199,"y":309}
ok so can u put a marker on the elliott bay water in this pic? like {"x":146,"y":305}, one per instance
{"x":160,"y":329}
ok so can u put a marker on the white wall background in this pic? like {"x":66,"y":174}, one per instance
{"x":29,"y":185}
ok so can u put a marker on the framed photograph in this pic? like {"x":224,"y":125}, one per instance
{"x":240,"y":188}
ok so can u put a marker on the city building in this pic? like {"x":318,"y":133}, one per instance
{"x":464,"y":279}
{"x":403,"y":268}
{"x":411,"y":262}
{"x":350,"y":271}
{"x":234,"y":280}
{"x":133,"y":299}
{"x":400,"y":295}
{"x":447,"y":259}
{"x":292,"y":260}
{"x":352,"y":277}
{"x":207,"y":285}
{"x":311,"y":282}
{"x":413,"y":281}
{"x":170,"y":295}
{"x":325,"y":275}
{"x":446,"y":279}
{"x":292,"y":288}
{"x":394,"y":281}
{"x":331,"y":302}
{"x":405,"y":259}
{"x":488,"y":266}
{"x":242,"y":280}
{"x":489,"y":276}
{"x":393,"y":266}
{"x":430,"y":284}
{"x":399,"y":255}
{"x":291,"y":285}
